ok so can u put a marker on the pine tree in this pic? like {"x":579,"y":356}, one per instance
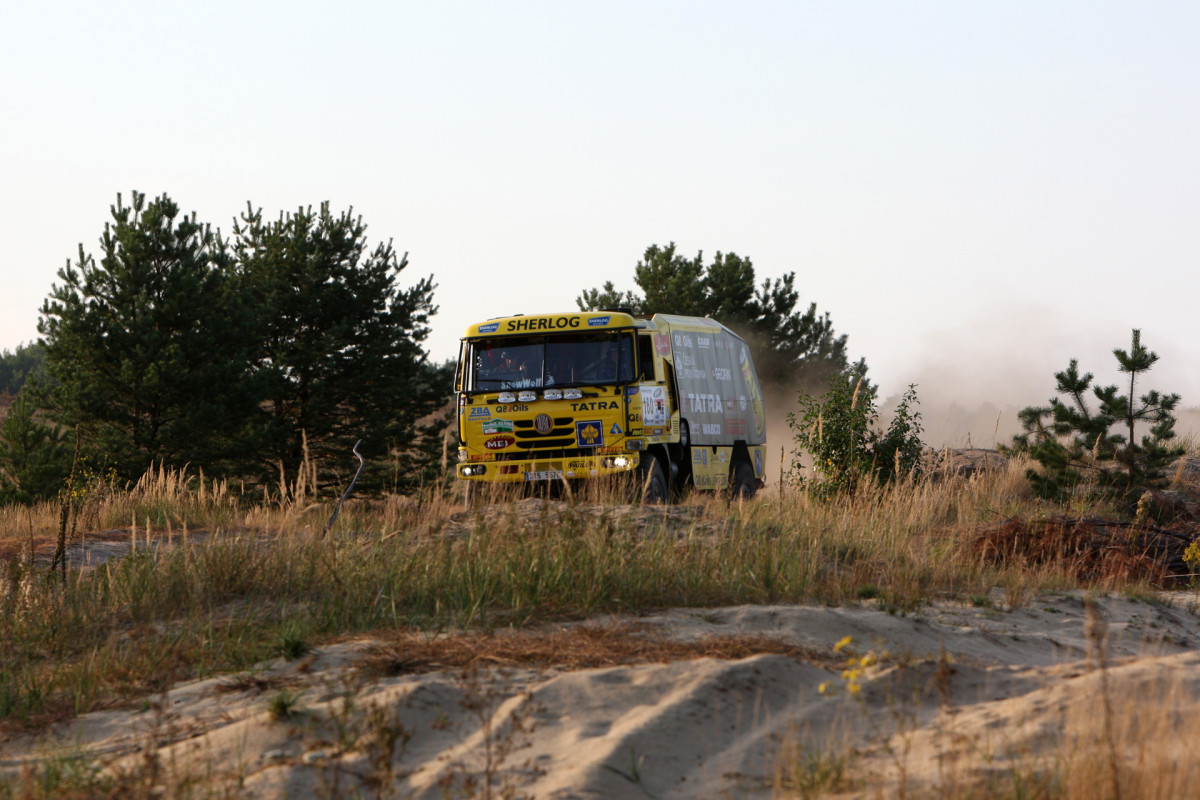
{"x":146,"y":349}
{"x":791,"y":348}
{"x":338,"y":353}
{"x":1074,"y":442}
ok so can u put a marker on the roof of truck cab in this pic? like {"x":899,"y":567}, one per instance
{"x":551,"y":323}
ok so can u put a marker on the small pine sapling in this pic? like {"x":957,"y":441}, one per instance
{"x":1074,"y":442}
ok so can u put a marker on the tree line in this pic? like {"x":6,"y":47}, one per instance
{"x":283,"y":344}
{"x":243,"y":356}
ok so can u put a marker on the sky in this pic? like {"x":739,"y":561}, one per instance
{"x":975,"y":192}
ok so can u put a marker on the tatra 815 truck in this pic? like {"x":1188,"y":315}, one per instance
{"x":673,"y":401}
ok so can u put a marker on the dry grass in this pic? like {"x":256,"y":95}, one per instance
{"x":577,"y":647}
{"x":243,"y":576}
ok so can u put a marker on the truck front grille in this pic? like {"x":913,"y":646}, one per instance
{"x":561,"y":435}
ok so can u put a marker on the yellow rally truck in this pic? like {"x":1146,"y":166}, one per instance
{"x":673,"y":399}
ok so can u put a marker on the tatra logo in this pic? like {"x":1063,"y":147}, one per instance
{"x":543,"y":424}
{"x":499,"y":442}
{"x":541,"y":323}
{"x":598,"y":405}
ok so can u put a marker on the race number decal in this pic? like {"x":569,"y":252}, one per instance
{"x":654,"y":406}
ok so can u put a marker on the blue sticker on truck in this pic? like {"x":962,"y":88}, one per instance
{"x":495,"y":326}
{"x":590,"y":433}
{"x":597,"y":322}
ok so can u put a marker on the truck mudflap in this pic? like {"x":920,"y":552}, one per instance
{"x":548,"y":469}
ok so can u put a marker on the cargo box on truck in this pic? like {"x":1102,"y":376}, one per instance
{"x":674,"y":401}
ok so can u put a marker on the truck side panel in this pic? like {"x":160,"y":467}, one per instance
{"x":719,"y":394}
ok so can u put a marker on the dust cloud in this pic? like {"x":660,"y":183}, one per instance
{"x":973,"y":377}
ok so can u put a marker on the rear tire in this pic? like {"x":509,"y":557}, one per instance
{"x":652,"y":481}
{"x":742,"y":483}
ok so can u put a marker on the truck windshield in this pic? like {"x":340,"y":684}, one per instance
{"x":526,"y":362}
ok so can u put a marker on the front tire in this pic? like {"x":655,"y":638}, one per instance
{"x":653,"y":481}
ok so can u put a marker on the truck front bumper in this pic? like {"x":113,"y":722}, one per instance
{"x":548,"y":469}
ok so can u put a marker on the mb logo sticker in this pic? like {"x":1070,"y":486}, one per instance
{"x":589,"y":433}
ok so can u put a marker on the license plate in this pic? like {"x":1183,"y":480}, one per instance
{"x":548,"y":475}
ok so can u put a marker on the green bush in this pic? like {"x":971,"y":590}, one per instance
{"x":840,"y":432}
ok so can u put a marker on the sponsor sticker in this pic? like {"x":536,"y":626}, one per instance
{"x":480,"y":412}
{"x":492,"y":328}
{"x":579,"y":464}
{"x":529,"y":324}
{"x":598,"y":322}
{"x":616,"y":430}
{"x":710,"y":428}
{"x":742,"y":402}
{"x":654,"y":405}
{"x":499,"y":442}
{"x":590,"y":433}
{"x":497,"y":425}
{"x":662,"y":344}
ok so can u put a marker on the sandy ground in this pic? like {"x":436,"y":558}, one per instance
{"x":956,"y":687}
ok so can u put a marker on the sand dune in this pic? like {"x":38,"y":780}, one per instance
{"x":957,"y":692}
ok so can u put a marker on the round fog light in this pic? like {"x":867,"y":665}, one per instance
{"x":620,"y":462}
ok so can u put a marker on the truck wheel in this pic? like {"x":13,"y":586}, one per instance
{"x":652,"y":482}
{"x":742,"y":483}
